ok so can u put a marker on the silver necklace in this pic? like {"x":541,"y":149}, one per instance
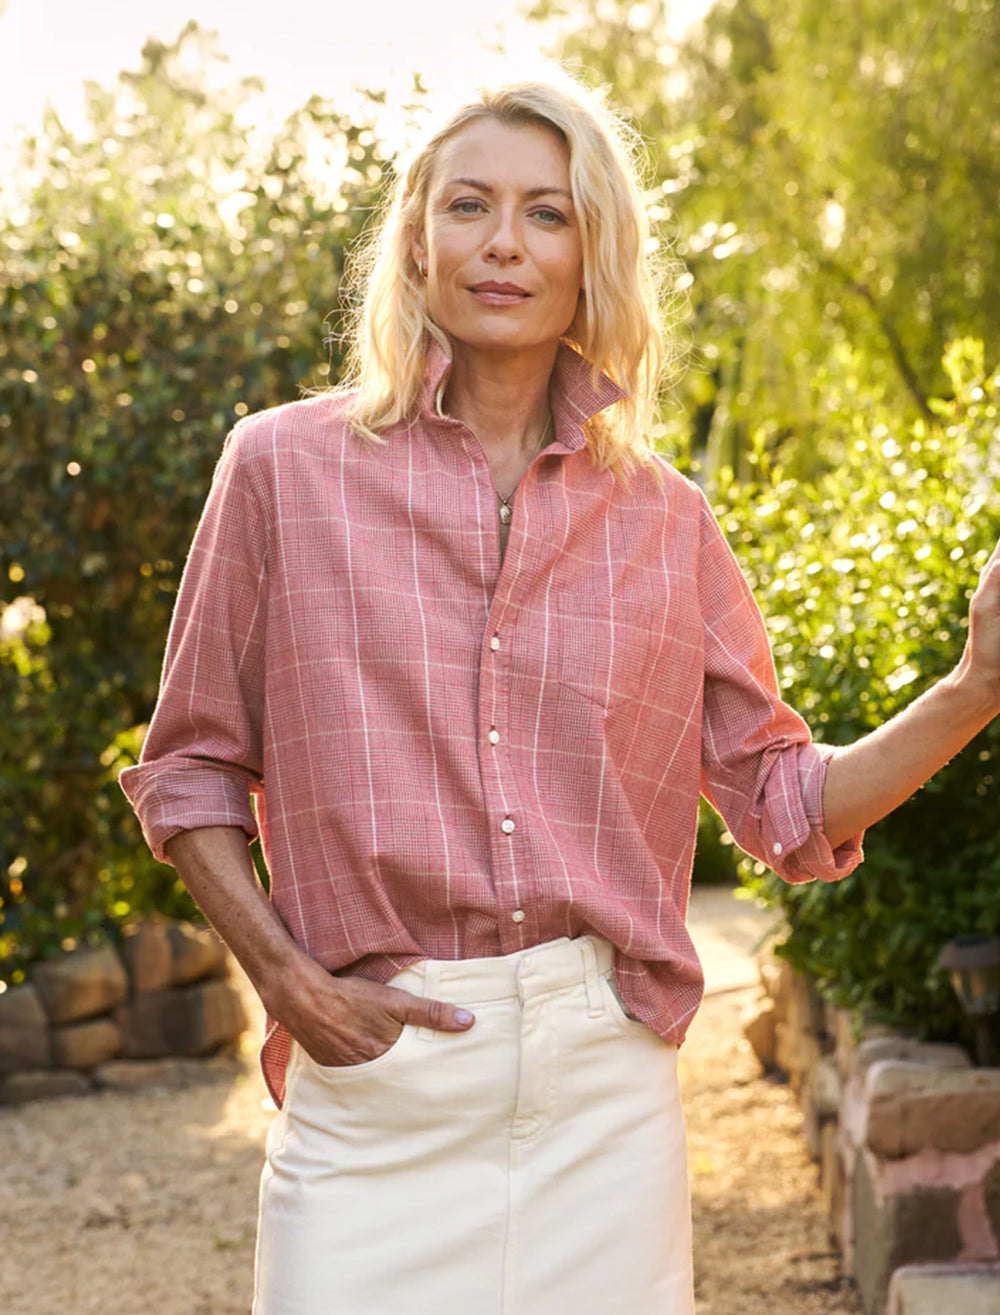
{"x":504,"y":508}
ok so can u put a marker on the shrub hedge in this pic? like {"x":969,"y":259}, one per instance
{"x":864,"y":576}
{"x":162,"y":278}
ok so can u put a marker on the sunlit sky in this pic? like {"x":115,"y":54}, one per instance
{"x":48,"y":48}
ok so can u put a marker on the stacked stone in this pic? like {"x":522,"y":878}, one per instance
{"x":793,"y":1032}
{"x":906,"y":1135}
{"x":945,"y":1290}
{"x":94,"y":1018}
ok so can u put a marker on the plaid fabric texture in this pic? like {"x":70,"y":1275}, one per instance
{"x":452,"y":757}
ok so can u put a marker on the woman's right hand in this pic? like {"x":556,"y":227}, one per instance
{"x":338,"y":1021}
{"x":341,"y":1021}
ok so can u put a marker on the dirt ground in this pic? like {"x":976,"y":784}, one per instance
{"x":761,"y":1243}
{"x":145,"y":1204}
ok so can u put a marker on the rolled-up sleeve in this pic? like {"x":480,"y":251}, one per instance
{"x":760,"y":767}
{"x":202,"y":757}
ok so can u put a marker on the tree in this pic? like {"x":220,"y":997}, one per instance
{"x":161,"y":277}
{"x":830,"y":172}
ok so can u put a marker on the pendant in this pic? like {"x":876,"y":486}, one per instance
{"x":504,"y":514}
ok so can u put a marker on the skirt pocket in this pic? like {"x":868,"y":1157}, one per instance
{"x":336,"y":1073}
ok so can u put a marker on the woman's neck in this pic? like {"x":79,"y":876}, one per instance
{"x":503,"y":397}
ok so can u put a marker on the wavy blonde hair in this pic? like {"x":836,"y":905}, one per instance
{"x":617,"y":327}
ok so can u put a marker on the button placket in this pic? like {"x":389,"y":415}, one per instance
{"x":511,"y":915}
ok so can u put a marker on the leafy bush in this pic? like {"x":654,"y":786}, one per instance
{"x":160,"y":279}
{"x":829,"y":172}
{"x":715,"y":861}
{"x":864,"y":576}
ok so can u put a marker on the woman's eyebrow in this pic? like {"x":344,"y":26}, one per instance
{"x":531,"y":193}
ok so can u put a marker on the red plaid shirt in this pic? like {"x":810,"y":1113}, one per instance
{"x":455,"y":757}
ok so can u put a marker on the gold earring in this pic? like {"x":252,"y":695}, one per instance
{"x":422,"y":269}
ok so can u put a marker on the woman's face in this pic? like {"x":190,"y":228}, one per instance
{"x":500,"y":239}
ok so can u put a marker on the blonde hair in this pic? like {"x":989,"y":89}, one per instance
{"x":617,"y":326}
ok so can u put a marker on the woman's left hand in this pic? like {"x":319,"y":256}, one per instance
{"x":980,"y":663}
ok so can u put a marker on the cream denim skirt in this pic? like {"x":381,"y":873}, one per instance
{"x":533,"y":1165}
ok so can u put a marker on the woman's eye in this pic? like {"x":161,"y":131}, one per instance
{"x":549,"y":216}
{"x":466,"y":207}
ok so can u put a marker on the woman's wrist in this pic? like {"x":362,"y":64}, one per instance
{"x":286,"y":987}
{"x":974,"y":695}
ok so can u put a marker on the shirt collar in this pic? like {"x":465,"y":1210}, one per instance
{"x":574,"y":397}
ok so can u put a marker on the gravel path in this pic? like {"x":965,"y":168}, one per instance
{"x":145,"y":1204}
{"x":761,"y":1240}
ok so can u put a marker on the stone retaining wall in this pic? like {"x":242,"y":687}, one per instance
{"x":906,"y":1136}
{"x":945,"y":1290}
{"x":95,"y":1018}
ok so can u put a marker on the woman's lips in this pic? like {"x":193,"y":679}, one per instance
{"x":496,"y":297}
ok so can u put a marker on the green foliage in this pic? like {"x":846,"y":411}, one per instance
{"x":829,"y":171}
{"x":864,"y":575}
{"x":715,"y":858}
{"x":161,"y":277}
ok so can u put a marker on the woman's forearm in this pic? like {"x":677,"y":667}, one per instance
{"x":215,"y":865}
{"x":868,"y":779}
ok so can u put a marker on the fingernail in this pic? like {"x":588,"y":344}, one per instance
{"x":463,"y":1016}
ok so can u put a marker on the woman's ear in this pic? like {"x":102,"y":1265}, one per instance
{"x":418,"y":250}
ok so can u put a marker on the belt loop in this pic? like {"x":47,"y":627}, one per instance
{"x":595,"y":1002}
{"x":522,"y":994}
{"x":431,"y":982}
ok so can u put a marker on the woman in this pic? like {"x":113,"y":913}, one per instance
{"x":474,"y":649}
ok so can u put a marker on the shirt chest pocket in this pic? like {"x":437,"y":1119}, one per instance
{"x":609,"y":650}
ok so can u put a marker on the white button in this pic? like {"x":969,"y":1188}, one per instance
{"x":776,"y":847}
{"x":494,"y":737}
{"x":517,"y":916}
{"x":507,"y":825}
{"x":494,"y":642}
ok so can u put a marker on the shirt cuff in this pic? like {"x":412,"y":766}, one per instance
{"x":804,"y":853}
{"x":172,"y":795}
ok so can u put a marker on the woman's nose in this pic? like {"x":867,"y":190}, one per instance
{"x":505,"y":242}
